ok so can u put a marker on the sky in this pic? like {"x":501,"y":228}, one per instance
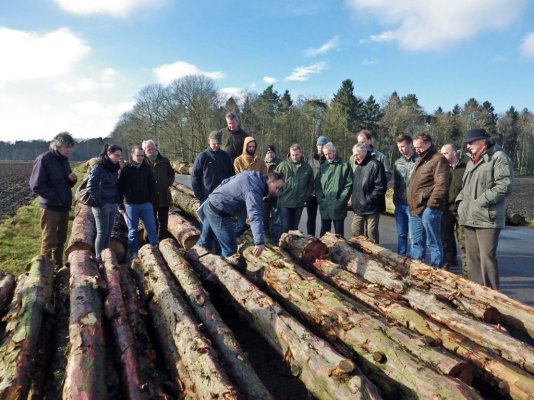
{"x":77,"y":65}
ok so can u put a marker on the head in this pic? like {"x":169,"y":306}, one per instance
{"x":232,"y":122}
{"x":270,"y":152}
{"x":321,"y":141}
{"x":329,"y":151}
{"x":214,"y":141}
{"x":62,"y":143}
{"x":250,"y":145}
{"x":295,"y":153}
{"x":364,"y":137}
{"x":405,"y":145}
{"x":137,"y":155}
{"x":422,"y":143}
{"x":450,"y":152}
{"x":113,"y":152}
{"x":150,"y":148}
{"x":359,"y":151}
{"x":476,"y":140}
{"x":275,"y":181}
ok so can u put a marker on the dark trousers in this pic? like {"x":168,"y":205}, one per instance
{"x":481,"y":249}
{"x":161,"y":215}
{"x":452,"y":233}
{"x":54,"y":228}
{"x":339,"y":226}
{"x":311,"y":209}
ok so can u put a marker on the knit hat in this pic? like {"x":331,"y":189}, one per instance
{"x":215,"y":136}
{"x":475,"y":134}
{"x":270,"y":147}
{"x":322,"y":140}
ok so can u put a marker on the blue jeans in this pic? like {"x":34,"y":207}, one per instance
{"x":290,"y":218}
{"x":104,"y":221}
{"x":402,"y":217}
{"x":145,"y":211}
{"x":222,"y":228}
{"x":425,"y":231}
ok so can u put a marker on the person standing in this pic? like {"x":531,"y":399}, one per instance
{"x":52,"y":179}
{"x":271,"y":214}
{"x":333,"y":187}
{"x":451,"y":232}
{"x":315,"y":160}
{"x":137,"y":187}
{"x":364,"y":137}
{"x":242,"y":191}
{"x":487,"y":181}
{"x":102,"y":185}
{"x":164,"y":176}
{"x":368,"y":193}
{"x":233,"y":136}
{"x":427,"y":197}
{"x":298,"y":185}
{"x":402,"y":171}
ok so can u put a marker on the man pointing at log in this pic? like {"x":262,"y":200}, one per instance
{"x":243,"y":191}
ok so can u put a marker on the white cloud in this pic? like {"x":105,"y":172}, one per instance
{"x":324,"y":48}
{"x":269,"y":79}
{"x":115,"y":8}
{"x":422,"y":25}
{"x":237,"y":93}
{"x":167,"y":73}
{"x":105,"y":81}
{"x":29,"y":55}
{"x":384,"y":37}
{"x":527,"y":45}
{"x":303,"y":73}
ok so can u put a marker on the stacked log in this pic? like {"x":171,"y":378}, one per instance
{"x":183,"y":231}
{"x":185,"y":200}
{"x":181,"y":167}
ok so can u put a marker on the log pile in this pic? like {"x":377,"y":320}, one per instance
{"x":349,"y":319}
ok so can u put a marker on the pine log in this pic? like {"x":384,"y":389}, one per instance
{"x":115,"y":311}
{"x":86,"y":365}
{"x":7,"y":287}
{"x":506,"y":378}
{"x":325,"y":373}
{"x":341,"y":319}
{"x":183,"y":188}
{"x":184,"y":231}
{"x":186,"y":202}
{"x":33,"y":298}
{"x":83,"y":232}
{"x":239,"y":367}
{"x":305,"y":249}
{"x":194,"y":348}
{"x":478,"y":309}
{"x":513,"y":313}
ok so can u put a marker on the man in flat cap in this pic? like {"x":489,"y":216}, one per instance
{"x":315,"y":160}
{"x":487,"y":181}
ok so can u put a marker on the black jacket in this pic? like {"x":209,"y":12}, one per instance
{"x":137,"y":185}
{"x":369,"y":187}
{"x":103,"y":182}
{"x":209,"y":170}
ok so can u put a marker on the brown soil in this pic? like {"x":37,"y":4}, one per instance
{"x":14,"y":188}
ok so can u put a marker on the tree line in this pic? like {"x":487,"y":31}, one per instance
{"x":29,"y":150}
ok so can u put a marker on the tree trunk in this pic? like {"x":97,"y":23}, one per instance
{"x":184,"y":231}
{"x":7,"y":287}
{"x":341,"y":319}
{"x":325,"y":373}
{"x":186,"y":202}
{"x":239,"y":367}
{"x":33,"y":298}
{"x":115,"y":311}
{"x":194,"y":348}
{"x":83,"y":232}
{"x":85,"y":374}
{"x":303,"y":248}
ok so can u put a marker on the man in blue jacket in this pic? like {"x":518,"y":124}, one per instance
{"x":52,"y":180}
{"x":243,"y":191}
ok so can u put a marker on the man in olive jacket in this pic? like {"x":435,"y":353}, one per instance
{"x":427,"y":198}
{"x":487,"y":181}
{"x":333,"y":187}
{"x":164,"y":175}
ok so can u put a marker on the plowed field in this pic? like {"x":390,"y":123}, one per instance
{"x":14,"y":188}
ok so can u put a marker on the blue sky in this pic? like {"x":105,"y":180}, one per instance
{"x":76,"y":65}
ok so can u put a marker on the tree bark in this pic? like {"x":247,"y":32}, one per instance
{"x":325,"y":373}
{"x":184,"y":231}
{"x":115,"y":311}
{"x":86,"y":365}
{"x":83,"y":232}
{"x":194,"y":348}
{"x":7,"y":287}
{"x":185,"y":201}
{"x":341,"y":319}
{"x":303,"y":248}
{"x":33,"y":298}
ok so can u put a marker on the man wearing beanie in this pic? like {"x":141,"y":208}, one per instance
{"x":271,"y":215}
{"x":315,"y":160}
{"x":487,"y":181}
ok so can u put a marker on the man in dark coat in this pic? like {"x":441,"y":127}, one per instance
{"x":52,"y":180}
{"x":233,"y":136}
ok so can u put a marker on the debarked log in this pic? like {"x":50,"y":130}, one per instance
{"x":184,"y":200}
{"x":240,"y":369}
{"x":340,"y":319}
{"x":197,"y":354}
{"x":325,"y":373}
{"x":83,"y":232}
{"x":7,"y":287}
{"x":33,"y":298}
{"x":86,"y":365}
{"x":184,"y":231}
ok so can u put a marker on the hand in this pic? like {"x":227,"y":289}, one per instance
{"x":121,"y":211}
{"x":258,"y":249}
{"x":72,"y":177}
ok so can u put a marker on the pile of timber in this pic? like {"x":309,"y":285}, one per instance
{"x":182,"y":168}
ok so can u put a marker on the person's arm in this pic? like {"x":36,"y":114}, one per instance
{"x":170,"y":172}
{"x":348,"y":178}
{"x":253,"y":200}
{"x":94,"y":182}
{"x":197,"y":179}
{"x":39,"y":182}
{"x":380,"y":184}
{"x":503,"y":176}
{"x":440,"y":191}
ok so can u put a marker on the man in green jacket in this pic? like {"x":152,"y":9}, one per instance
{"x":487,"y":181}
{"x":164,"y":175}
{"x":333,"y":187}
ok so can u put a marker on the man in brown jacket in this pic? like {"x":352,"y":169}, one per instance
{"x":427,"y":198}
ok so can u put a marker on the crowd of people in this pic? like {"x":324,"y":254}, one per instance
{"x":441,"y":202}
